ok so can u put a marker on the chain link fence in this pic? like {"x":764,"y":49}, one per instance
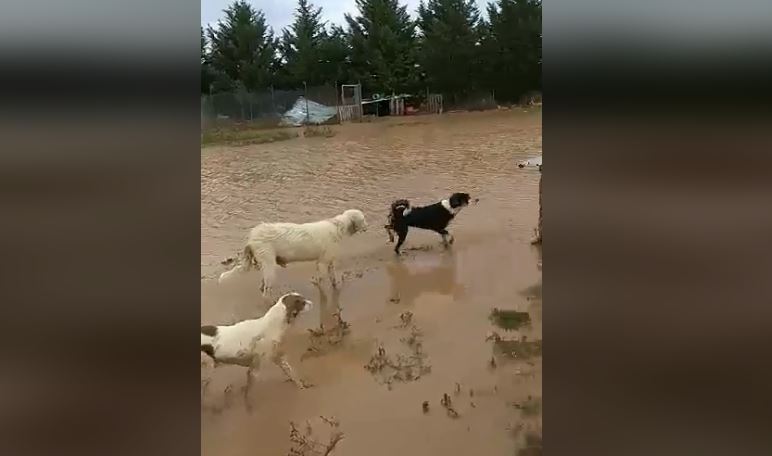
{"x":263,"y":108}
{"x":267,"y":108}
{"x":475,"y":101}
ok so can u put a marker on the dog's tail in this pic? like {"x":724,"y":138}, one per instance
{"x":245,"y":262}
{"x":399,"y":209}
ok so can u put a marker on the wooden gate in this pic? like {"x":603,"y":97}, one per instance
{"x":434,"y":103}
{"x":349,"y":113}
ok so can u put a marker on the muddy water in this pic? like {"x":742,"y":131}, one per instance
{"x":447,"y":295}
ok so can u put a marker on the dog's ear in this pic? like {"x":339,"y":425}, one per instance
{"x":294,"y":304}
{"x":356,"y":222}
{"x":459,"y":199}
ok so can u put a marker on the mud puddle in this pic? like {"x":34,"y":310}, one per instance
{"x":431,"y":302}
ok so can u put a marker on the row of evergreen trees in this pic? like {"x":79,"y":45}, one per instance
{"x":449,"y":49}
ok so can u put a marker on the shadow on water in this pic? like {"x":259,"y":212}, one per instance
{"x":408,"y":282}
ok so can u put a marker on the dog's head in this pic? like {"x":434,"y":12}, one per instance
{"x":355,"y":221}
{"x":294,"y":304}
{"x":459,"y":200}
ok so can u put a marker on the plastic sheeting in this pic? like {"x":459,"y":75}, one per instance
{"x":317,"y":113}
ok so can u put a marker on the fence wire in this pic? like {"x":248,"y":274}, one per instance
{"x":265,"y":107}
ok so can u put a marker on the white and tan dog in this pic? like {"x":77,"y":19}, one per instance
{"x":277,"y":244}
{"x":250,"y":342}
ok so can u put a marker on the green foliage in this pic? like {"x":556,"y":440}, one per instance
{"x":301,"y":46}
{"x":449,"y":51}
{"x":511,"y":48}
{"x":243,"y":48}
{"x":335,"y":60}
{"x":383,"y":46}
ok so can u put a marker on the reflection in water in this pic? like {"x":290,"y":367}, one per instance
{"x":332,"y":328}
{"x":329,"y":312}
{"x":408,"y":283}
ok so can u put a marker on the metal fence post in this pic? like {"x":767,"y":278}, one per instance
{"x":305,"y":94}
{"x":273,"y":102}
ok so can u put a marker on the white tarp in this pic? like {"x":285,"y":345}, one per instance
{"x":317,"y":113}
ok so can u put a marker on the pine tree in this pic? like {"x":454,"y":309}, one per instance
{"x":208,"y":76}
{"x":512,"y":47}
{"x":335,"y":56}
{"x":383,"y":46}
{"x":242,"y":48}
{"x":449,"y":52}
{"x":301,"y":45}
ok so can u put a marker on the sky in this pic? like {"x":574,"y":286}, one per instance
{"x":278,"y":13}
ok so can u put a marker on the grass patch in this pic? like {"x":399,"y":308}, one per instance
{"x":241,"y":136}
{"x":509,"y":320}
{"x":519,"y":349}
{"x":407,"y":124}
{"x":516,"y":349}
{"x":318,"y":131}
{"x":404,"y":367}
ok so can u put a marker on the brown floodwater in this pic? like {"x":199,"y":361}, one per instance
{"x":447,"y":295}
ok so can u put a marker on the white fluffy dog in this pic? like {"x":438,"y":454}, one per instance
{"x":277,"y":244}
{"x":249,"y":342}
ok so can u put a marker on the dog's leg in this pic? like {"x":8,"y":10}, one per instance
{"x":332,"y":275}
{"x":317,"y":278}
{"x":268,"y":266}
{"x":402,"y":233}
{"x":447,"y":238}
{"x":252,"y":370}
{"x":390,"y":232}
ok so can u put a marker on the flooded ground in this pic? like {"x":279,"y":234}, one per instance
{"x":407,"y":357}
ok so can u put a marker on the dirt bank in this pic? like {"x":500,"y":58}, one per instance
{"x":429,"y":312}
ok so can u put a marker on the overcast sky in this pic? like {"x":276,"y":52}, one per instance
{"x":278,"y":13}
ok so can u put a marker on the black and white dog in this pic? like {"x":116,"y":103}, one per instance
{"x":434,"y":217}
